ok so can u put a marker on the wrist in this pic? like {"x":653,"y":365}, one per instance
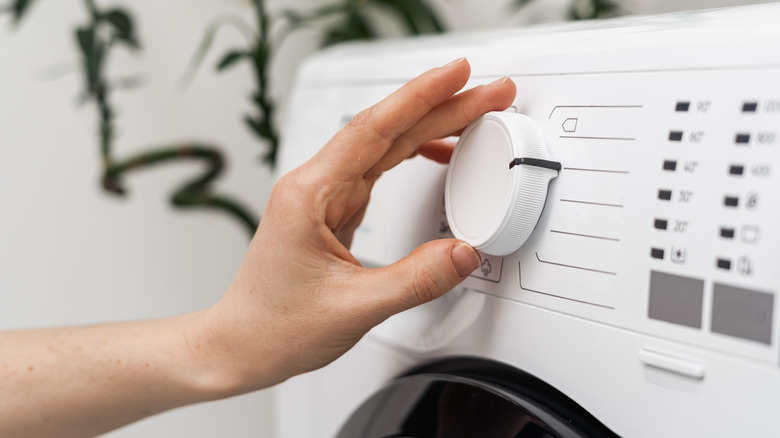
{"x":229,"y":357}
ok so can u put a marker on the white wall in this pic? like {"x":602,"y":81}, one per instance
{"x":70,"y":254}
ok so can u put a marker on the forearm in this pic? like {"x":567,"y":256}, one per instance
{"x":75,"y":382}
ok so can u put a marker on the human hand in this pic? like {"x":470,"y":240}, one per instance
{"x":300,"y":299}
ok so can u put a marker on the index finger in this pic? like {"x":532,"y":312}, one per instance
{"x":369,"y":135}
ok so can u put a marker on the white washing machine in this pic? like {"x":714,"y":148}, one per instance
{"x":643,"y":302}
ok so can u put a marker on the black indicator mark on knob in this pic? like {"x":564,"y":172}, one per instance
{"x":535,"y":162}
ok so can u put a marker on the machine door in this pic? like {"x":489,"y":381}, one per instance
{"x":466,"y":397}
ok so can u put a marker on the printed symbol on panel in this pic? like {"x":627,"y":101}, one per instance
{"x":570,"y":124}
{"x":749,"y":233}
{"x":679,"y":255}
{"x":745,"y":266}
{"x":752,"y":200}
{"x":486,"y":268}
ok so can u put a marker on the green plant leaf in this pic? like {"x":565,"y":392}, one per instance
{"x":208,"y":39}
{"x":93,"y":51}
{"x":18,"y":8}
{"x":354,"y":27}
{"x":86,"y":40}
{"x":416,"y":15}
{"x":590,"y":9}
{"x":124,"y":29}
{"x":520,"y":3}
{"x":231,"y":58}
{"x":258,"y":127}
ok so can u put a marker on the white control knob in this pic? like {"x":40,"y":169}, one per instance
{"x":497,"y":182}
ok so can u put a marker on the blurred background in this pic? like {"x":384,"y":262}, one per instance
{"x":72,"y":253}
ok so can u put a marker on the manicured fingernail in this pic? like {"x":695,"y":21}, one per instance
{"x":465,"y":259}
{"x":455,"y":62}
{"x":500,"y":81}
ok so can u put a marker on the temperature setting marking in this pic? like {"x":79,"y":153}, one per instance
{"x":661,"y":224}
{"x":749,"y":107}
{"x":682,"y":107}
{"x":657,"y":253}
{"x":723,"y":264}
{"x":670,"y":165}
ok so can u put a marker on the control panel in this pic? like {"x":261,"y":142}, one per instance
{"x":662,"y":216}
{"x":661,"y":220}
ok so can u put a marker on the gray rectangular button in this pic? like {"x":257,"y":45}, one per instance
{"x":676,"y":299}
{"x":743,"y":313}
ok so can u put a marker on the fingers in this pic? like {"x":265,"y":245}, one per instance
{"x":439,"y":151}
{"x":450,"y":116}
{"x":427,"y":273}
{"x":368,"y":136}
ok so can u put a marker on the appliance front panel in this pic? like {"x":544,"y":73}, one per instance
{"x":661,"y":229}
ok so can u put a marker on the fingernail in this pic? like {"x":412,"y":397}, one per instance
{"x":465,"y":259}
{"x":500,"y":81}
{"x":455,"y":62}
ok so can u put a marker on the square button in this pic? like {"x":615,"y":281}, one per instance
{"x":676,"y":299}
{"x":743,"y":313}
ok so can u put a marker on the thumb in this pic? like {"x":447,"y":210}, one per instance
{"x":429,"y":272}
